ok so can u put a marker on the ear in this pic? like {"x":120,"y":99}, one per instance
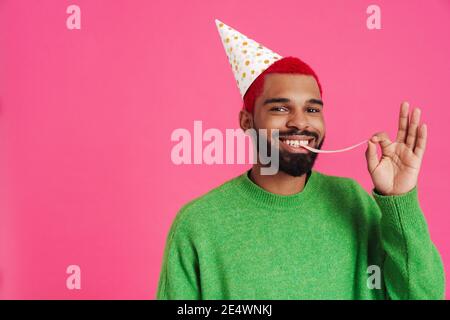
{"x":245,"y":120}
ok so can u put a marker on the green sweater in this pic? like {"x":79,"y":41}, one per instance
{"x":330,"y":241}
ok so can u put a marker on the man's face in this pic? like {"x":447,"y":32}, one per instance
{"x":292,"y":104}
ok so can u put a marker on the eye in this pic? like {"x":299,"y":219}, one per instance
{"x":313,"y":110}
{"x":279,"y":108}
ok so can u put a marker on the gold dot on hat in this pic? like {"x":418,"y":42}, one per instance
{"x":227,"y":40}
{"x":247,"y":63}
{"x":243,"y":75}
{"x":244,"y":51}
{"x":266,"y":61}
{"x":253,"y":71}
{"x":221,"y":25}
{"x":244,"y":43}
{"x":258,"y":54}
{"x":235,"y":37}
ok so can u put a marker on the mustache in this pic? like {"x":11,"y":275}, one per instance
{"x":299,"y":133}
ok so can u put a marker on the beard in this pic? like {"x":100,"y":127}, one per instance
{"x":294,"y":164}
{"x":297,"y":164}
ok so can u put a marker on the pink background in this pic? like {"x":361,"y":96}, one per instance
{"x":86,"y":117}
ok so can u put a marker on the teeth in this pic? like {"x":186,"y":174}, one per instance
{"x":296,"y":143}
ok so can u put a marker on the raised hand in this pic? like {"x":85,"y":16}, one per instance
{"x":398,"y":169}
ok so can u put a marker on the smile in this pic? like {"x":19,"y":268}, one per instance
{"x":295,"y":143}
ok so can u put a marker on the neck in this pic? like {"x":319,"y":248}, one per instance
{"x":280,"y":183}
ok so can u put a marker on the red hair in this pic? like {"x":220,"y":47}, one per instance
{"x":285,"y":65}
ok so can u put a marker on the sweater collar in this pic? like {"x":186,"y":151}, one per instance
{"x":251,"y":190}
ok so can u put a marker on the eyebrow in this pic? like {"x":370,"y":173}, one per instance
{"x":286,"y":100}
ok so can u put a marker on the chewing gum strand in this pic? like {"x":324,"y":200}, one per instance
{"x":332,"y":151}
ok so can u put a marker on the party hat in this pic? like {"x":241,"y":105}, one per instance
{"x":247,"y":57}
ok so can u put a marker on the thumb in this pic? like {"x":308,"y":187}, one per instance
{"x":371,"y":156}
{"x":383,"y":139}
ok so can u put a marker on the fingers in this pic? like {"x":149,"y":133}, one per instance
{"x":421,"y":141}
{"x":371,"y":156}
{"x":382,"y":138}
{"x":412,"y":128}
{"x":403,"y":122}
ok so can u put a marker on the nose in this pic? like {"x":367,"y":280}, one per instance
{"x":297,"y":120}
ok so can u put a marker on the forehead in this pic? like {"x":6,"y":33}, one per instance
{"x":294,"y":86}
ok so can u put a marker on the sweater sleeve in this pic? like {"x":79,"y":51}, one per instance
{"x":412,"y":266}
{"x":179,"y":278}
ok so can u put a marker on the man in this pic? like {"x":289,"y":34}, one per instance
{"x":301,"y":234}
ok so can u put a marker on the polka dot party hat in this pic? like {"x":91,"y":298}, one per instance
{"x":247,"y":57}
